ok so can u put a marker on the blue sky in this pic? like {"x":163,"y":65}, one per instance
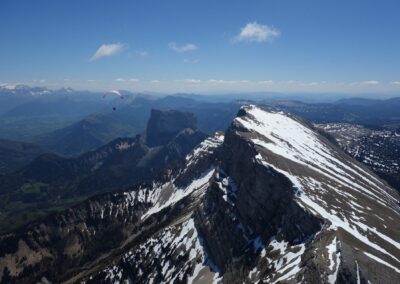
{"x":203,"y":46}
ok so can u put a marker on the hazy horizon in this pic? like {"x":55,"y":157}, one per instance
{"x":203,"y":47}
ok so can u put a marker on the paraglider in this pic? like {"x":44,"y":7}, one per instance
{"x":114,"y":92}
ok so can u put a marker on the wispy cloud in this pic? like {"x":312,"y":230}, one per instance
{"x":266,"y":82}
{"x":370,"y":82}
{"x":218,"y":84}
{"x":254,"y":32}
{"x":219,"y":81}
{"x":192,"y":81}
{"x":107,"y":50}
{"x":309,"y":84}
{"x":184,"y":48}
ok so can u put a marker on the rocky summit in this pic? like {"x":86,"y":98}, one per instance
{"x":272,"y":201}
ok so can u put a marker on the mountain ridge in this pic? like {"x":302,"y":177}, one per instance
{"x":270,"y":200}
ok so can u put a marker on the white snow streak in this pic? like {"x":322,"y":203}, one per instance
{"x":179,"y":193}
{"x":290,"y":139}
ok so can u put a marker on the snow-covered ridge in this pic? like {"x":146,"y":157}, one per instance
{"x":291,"y":140}
{"x":177,"y":248}
{"x":205,"y":147}
{"x":168,"y":194}
{"x":33,"y":91}
{"x":164,"y":194}
{"x":169,"y":247}
{"x":330,"y":185}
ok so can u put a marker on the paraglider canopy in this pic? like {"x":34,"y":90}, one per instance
{"x":114,"y":92}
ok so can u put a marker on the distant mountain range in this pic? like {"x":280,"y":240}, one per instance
{"x":51,"y":118}
{"x":51,"y":182}
{"x":29,"y":114}
{"x":378,"y":113}
{"x":98,"y":129}
{"x":87,"y":134}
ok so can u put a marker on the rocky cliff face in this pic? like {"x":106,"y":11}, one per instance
{"x":271,"y":200}
{"x":350,"y":244}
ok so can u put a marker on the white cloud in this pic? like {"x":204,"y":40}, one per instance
{"x":266,"y":82}
{"x":309,"y":84}
{"x":107,"y":50}
{"x":9,"y":86}
{"x":214,"y":81}
{"x":192,"y":81}
{"x":180,"y":49}
{"x":226,"y":85}
{"x":370,"y":82}
{"x":256,"y":32}
{"x":119,"y":80}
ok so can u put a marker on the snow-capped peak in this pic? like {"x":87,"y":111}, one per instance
{"x":329,"y":184}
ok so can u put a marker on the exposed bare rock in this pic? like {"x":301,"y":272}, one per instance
{"x":272,"y":201}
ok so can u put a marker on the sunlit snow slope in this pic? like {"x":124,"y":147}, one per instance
{"x":361,"y":209}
